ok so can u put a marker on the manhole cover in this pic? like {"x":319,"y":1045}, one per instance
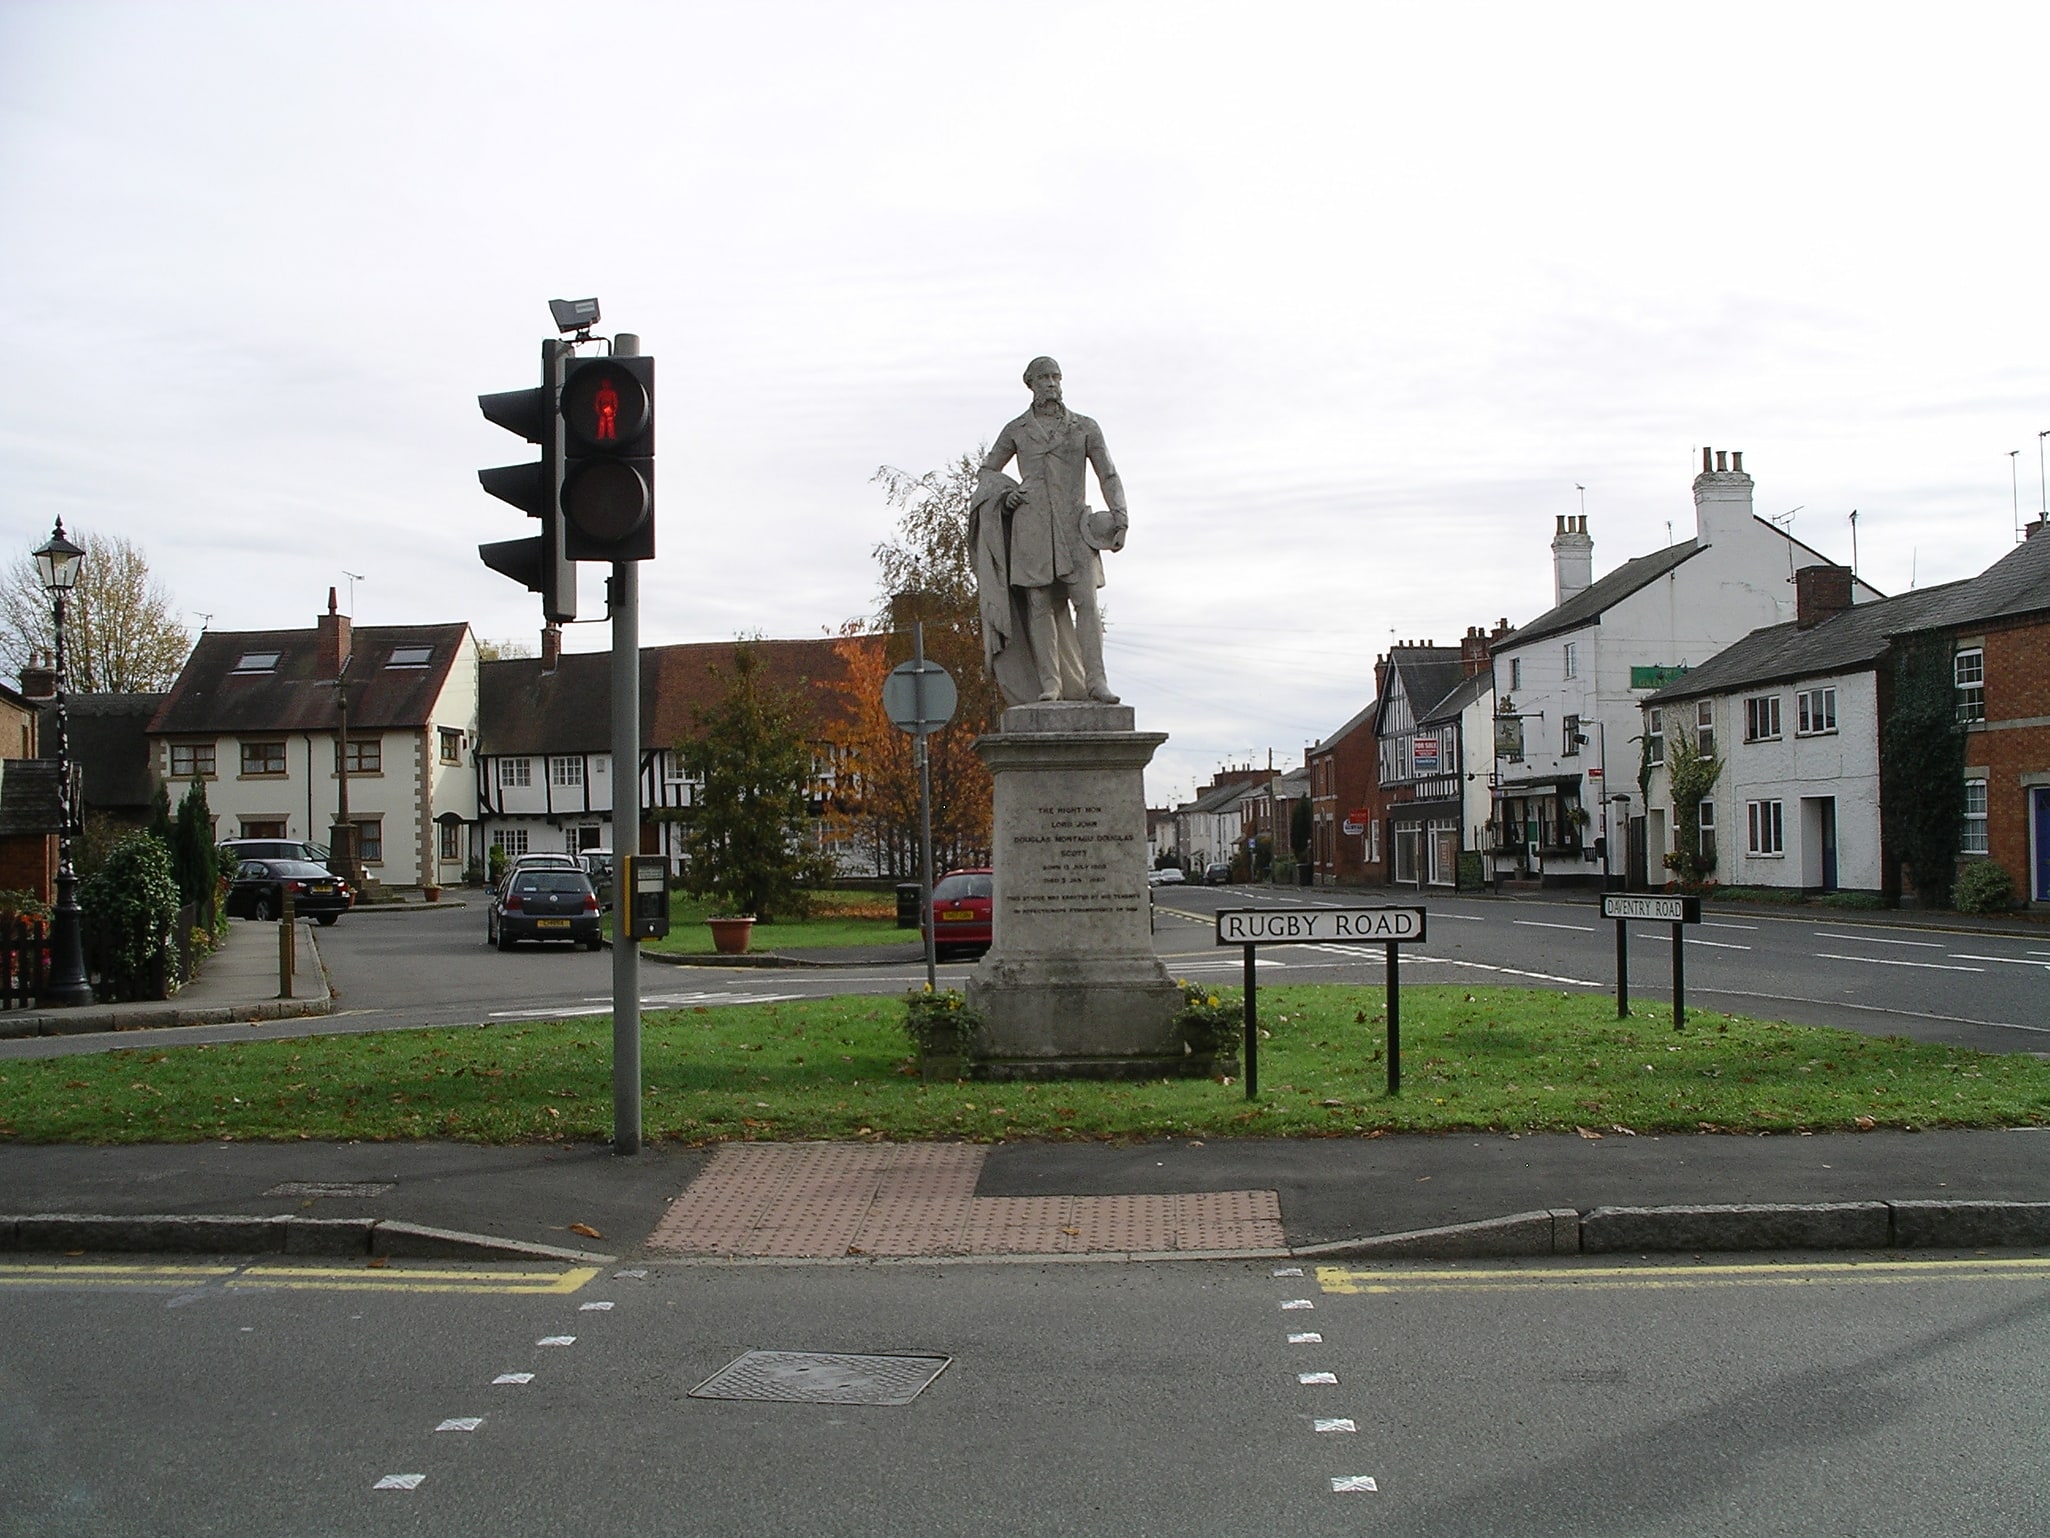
{"x":822,"y":1377}
{"x":330,"y":1188}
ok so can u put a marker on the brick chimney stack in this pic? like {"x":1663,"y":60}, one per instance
{"x":1819,"y":592}
{"x":332,"y":654}
{"x":1572,"y":558}
{"x":39,"y":677}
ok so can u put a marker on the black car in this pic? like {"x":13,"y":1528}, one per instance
{"x":1217,"y":875}
{"x":543,"y":905}
{"x":258,"y":891}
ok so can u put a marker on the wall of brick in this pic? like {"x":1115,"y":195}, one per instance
{"x":2014,"y":743}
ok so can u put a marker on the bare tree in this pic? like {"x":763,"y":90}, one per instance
{"x":120,"y":633}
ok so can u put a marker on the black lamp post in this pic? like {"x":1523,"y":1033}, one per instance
{"x":58,"y":562}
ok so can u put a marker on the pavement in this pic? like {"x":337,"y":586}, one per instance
{"x":1396,"y":1197}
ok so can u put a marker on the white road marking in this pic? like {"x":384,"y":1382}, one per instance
{"x":1721,"y":924}
{"x":1313,"y":1378}
{"x":1881,"y":961}
{"x":556,"y":1340}
{"x":1305,"y":1338}
{"x":1286,"y":1271}
{"x":2013,"y":961}
{"x":461,"y":1423}
{"x":1585,"y":929}
{"x":1298,"y":1303}
{"x":399,"y":1482}
{"x":1721,"y":945}
{"x":513,"y":1377}
{"x":1336,"y":1423}
{"x":648,"y":1001}
{"x":1927,"y":945}
{"x":1353,"y":1484}
{"x":593,"y":1308}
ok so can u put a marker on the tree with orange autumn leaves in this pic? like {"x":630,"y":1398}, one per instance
{"x":926,"y":573}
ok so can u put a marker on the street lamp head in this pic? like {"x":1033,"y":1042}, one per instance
{"x":58,"y":562}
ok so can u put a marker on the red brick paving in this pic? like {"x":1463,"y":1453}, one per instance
{"x":824,"y":1200}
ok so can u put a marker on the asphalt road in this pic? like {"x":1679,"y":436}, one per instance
{"x":1734,"y":1397}
{"x":393,"y":970}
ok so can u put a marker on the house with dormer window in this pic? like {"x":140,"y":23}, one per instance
{"x":283,"y":726}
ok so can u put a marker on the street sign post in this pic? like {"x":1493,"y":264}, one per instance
{"x":1252,"y":928}
{"x":1651,"y":909}
{"x":919,"y":697}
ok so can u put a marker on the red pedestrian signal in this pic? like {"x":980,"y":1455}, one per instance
{"x":608,"y":481}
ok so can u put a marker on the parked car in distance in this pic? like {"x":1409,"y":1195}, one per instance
{"x":259,"y":888}
{"x":1166,"y":875}
{"x":959,"y":919}
{"x":597,"y":864}
{"x":1217,"y":875}
{"x":543,"y":904}
{"x":274,"y":849}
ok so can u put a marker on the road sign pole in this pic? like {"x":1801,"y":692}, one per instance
{"x":1394,"y":1021}
{"x":1252,"y":1031}
{"x":626,"y":825}
{"x":1679,"y":979}
{"x":1622,"y":969}
{"x":918,"y":746}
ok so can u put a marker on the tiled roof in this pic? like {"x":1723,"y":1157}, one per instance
{"x":1463,"y":694}
{"x":214,"y":694}
{"x":29,"y":803}
{"x":105,"y":737}
{"x":2018,"y":583}
{"x":526,"y":711}
{"x":1588,"y":605}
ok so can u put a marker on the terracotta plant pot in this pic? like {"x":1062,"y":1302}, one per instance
{"x":730,"y":935}
{"x":430,"y":894}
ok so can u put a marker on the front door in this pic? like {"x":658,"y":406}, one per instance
{"x":1829,"y":843}
{"x":2041,"y":797}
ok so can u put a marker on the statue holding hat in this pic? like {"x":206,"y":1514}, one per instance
{"x":1037,"y":549}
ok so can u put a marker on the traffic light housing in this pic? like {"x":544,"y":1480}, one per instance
{"x":607,"y":419}
{"x":540,"y":562}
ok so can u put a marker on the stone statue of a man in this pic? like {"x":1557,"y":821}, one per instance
{"x":1037,"y":547}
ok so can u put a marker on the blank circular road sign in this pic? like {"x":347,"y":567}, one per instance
{"x":919,"y":697}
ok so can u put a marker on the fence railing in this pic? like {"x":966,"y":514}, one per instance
{"x":24,"y":961}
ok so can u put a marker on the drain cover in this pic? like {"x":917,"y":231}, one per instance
{"x":331,"y":1188}
{"x":822,"y":1377}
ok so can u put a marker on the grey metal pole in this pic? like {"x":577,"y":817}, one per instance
{"x":1622,"y":969}
{"x":1252,"y":1024}
{"x":626,"y":825}
{"x":1394,"y":1020}
{"x":927,"y":921}
{"x":1679,"y":978}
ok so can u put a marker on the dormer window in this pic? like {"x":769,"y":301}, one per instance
{"x":410,"y":656}
{"x":257,"y":662}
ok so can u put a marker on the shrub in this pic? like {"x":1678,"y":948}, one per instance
{"x":130,"y":909}
{"x":1982,"y":887}
{"x":1212,"y":1020}
{"x":940,"y":1024}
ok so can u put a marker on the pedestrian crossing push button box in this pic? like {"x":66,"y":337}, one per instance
{"x":647,"y":883}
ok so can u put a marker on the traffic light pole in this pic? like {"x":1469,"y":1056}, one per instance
{"x":626,"y":825}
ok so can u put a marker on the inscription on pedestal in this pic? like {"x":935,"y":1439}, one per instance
{"x":1069,"y":867}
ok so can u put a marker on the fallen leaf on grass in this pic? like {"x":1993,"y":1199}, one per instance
{"x":1619,"y":1127}
{"x":1589,"y":1133}
{"x":1864,"y":1123}
{"x":586,"y":1230}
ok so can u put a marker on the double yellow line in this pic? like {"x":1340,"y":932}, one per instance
{"x":1341,"y":1279}
{"x":299,"y":1278}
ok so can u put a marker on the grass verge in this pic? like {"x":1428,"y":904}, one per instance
{"x":1479,"y":1059}
{"x":837,"y":920}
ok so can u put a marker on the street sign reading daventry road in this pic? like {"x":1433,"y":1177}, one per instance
{"x":1654,"y":910}
{"x":1317,"y":926}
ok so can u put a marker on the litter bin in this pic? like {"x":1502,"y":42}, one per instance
{"x":907,"y":904}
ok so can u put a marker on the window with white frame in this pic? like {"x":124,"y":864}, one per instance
{"x":1655,"y":736}
{"x":512,"y":840}
{"x":1707,"y":825}
{"x":191,"y":759}
{"x":1814,"y":712}
{"x":566,"y":771}
{"x":514,"y":773}
{"x":1968,"y":670}
{"x":1763,"y":826}
{"x":1762,"y":718}
{"x":1572,"y":659}
{"x":1704,"y":727}
{"x":1972,"y":838}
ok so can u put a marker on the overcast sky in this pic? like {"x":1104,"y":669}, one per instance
{"x":1359,"y":293}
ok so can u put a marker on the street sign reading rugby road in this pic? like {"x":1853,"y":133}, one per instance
{"x":1315,"y":926}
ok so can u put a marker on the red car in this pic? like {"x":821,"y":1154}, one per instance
{"x":960,"y":919}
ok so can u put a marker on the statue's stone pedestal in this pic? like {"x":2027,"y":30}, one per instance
{"x":1071,"y":987}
